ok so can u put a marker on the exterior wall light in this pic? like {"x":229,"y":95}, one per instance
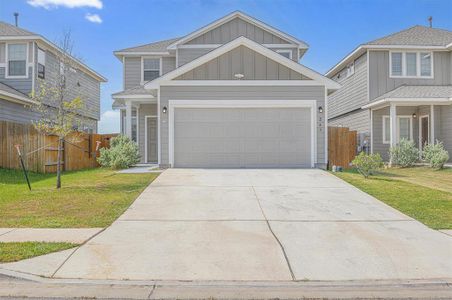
{"x":239,"y":76}
{"x":414,"y":115}
{"x":320,"y":109}
{"x":164,"y":109}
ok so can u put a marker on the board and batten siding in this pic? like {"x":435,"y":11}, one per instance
{"x":143,"y":111}
{"x":242,"y":93}
{"x":380,"y":81}
{"x":353,"y":93}
{"x":235,"y":28}
{"x":132,"y":72}
{"x":242,"y":60}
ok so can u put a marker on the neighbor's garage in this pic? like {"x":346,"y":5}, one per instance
{"x":242,"y":137}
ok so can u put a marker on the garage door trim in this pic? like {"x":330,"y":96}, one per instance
{"x":173,"y":104}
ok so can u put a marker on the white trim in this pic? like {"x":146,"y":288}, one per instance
{"x":159,"y":155}
{"x":420,"y":130}
{"x":132,"y":96}
{"x":325,"y":128}
{"x":432,"y":113}
{"x":172,"y":104}
{"x":371,"y":131}
{"x":229,"y":17}
{"x":368,"y":75}
{"x":418,"y":65}
{"x":156,"y":53}
{"x":146,"y":135}
{"x":408,"y":102}
{"x":241,"y":83}
{"x":137,"y":109}
{"x":34,"y":71}
{"x":331,"y":84}
{"x":27,"y":62}
{"x":213,"y":46}
{"x":280,"y":51}
{"x":397,"y":136}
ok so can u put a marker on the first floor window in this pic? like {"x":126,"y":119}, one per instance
{"x":151,"y":68}
{"x":17,"y":59}
{"x":134,"y":124}
{"x":404,"y":128}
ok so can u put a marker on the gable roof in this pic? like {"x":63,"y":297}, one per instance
{"x":330,"y":84}
{"x":10,"y":32}
{"x":245,"y":17}
{"x":157,"y":47}
{"x":413,"y":37}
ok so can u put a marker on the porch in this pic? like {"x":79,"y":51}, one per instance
{"x":424,"y":120}
{"x":139,"y":120}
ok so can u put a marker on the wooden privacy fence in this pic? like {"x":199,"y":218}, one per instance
{"x":341,"y":146}
{"x":40,"y":151}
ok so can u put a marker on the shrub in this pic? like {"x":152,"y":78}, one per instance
{"x":123,"y":153}
{"x":367,"y":164}
{"x":435,"y":155}
{"x":405,"y":154}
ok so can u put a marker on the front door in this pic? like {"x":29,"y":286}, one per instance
{"x":424,"y":131}
{"x":151,"y":139}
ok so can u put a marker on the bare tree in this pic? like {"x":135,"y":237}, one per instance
{"x":59,"y":99}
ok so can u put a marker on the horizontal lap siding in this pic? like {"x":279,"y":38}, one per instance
{"x":353,"y":93}
{"x":445,"y":132}
{"x":132,"y":72}
{"x":241,"y":60}
{"x":241,"y":93}
{"x":15,"y":112}
{"x":24,"y":85}
{"x":381,"y":83}
{"x":359,"y":121}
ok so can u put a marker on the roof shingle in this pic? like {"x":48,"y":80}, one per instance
{"x":419,"y":91}
{"x":152,"y":47}
{"x":7,"y":29}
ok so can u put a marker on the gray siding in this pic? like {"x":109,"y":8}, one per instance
{"x":144,"y":110}
{"x":168,"y":64}
{"x":380,"y":82}
{"x":23,"y":85}
{"x":353,"y":93}
{"x":241,"y":93}
{"x":132,"y":72}
{"x":2,"y":53}
{"x":234,"y":29}
{"x":445,"y":128}
{"x":187,"y":55}
{"x":241,"y":60}
{"x":359,"y":121}
{"x":15,"y":112}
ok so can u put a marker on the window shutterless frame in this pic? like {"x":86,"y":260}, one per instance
{"x":142,"y":66}
{"x":418,"y":64}
{"x":7,"y":60}
{"x":387,"y":139}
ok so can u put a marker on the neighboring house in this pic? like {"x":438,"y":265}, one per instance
{"x":26,"y":58}
{"x":231,"y":94}
{"x":398,"y":86}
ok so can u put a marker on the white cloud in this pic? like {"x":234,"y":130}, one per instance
{"x":109,"y":122}
{"x":48,"y":4}
{"x":95,"y":18}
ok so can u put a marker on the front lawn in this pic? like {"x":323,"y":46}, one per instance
{"x":88,"y":198}
{"x":420,"y":196}
{"x":10,"y":252}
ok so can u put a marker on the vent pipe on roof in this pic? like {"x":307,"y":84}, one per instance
{"x":16,"y":18}
{"x":430,"y":21}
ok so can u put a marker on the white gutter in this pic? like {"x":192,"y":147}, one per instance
{"x":409,"y":101}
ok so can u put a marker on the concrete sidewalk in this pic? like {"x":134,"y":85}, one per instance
{"x":68,"y":235}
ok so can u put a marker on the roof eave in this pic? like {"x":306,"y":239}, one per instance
{"x":408,"y":101}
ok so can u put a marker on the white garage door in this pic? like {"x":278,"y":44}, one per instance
{"x":242,"y":137}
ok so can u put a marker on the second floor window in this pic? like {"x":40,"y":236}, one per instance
{"x":151,"y":68}
{"x":411,"y":64}
{"x":17,"y":60}
{"x":41,"y":63}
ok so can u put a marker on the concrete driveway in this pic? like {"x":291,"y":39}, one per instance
{"x":279,"y":225}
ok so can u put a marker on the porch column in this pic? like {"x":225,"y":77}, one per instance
{"x":432,"y":124}
{"x":128,"y":119}
{"x":393,"y":124}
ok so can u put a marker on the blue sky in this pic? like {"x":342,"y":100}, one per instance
{"x":331,"y":28}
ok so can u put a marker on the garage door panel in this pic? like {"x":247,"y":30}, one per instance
{"x":242,"y":137}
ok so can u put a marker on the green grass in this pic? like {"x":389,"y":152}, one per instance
{"x":88,"y":198}
{"x":429,"y":205}
{"x":10,"y":252}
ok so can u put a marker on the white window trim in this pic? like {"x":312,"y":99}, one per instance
{"x":387,"y":140}
{"x":349,"y":67}
{"x":7,"y":60}
{"x":418,"y":64}
{"x":420,"y":130}
{"x":142,"y":66}
{"x":172,"y":104}
{"x":280,"y":51}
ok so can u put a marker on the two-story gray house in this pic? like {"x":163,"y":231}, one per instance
{"x":230,"y":94}
{"x":26,"y":61}
{"x":398,"y":86}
